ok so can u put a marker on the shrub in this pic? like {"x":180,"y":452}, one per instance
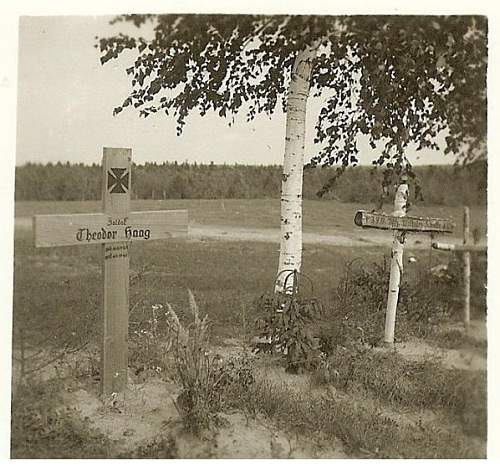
{"x":286,"y":322}
{"x":430,"y":297}
{"x":360,"y":302}
{"x":358,"y":309}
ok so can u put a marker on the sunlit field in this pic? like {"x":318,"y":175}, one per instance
{"x":360,"y":400}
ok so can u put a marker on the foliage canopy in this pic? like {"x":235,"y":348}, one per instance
{"x":396,"y":79}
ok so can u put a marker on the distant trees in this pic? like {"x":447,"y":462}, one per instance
{"x":441,"y":185}
{"x":58,"y":182}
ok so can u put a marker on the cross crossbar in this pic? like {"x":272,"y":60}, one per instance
{"x":458,"y":247}
{"x":93,"y":228}
{"x":382,"y":221}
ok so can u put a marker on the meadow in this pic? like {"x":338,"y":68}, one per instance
{"x":328,"y":216}
{"x":357,"y":400}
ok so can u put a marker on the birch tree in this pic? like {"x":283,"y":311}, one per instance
{"x":396,"y":80}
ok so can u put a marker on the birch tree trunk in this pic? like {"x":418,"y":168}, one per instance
{"x":290,"y":258}
{"x":400,"y":201}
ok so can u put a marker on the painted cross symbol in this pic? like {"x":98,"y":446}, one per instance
{"x":118,"y":180}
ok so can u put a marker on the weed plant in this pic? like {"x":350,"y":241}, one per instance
{"x":196,"y":370}
{"x":150,"y":344}
{"x":209,"y":384}
{"x":201,"y":375}
{"x":285,"y":323}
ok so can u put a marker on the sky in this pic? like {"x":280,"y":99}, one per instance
{"x":66,"y":98}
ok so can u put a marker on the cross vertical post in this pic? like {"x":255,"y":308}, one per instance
{"x":115,"y":270}
{"x":396,"y":264}
{"x":466,"y":264}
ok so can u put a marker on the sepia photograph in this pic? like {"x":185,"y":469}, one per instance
{"x":248,"y":235}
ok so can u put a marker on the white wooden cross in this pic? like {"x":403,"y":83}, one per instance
{"x":114,"y":229}
{"x":400,"y":224}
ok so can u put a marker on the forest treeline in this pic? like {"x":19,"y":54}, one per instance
{"x":440,"y":184}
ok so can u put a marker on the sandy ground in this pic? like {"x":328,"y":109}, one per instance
{"x":448,"y":358}
{"x":147,"y":410}
{"x":464,"y":359}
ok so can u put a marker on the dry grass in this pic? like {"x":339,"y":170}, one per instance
{"x":197,"y":371}
{"x":410,"y":385}
{"x":364,"y":431}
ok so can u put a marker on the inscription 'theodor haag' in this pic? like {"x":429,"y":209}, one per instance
{"x":103,"y":234}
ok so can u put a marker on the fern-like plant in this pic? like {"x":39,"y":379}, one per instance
{"x":286,"y":321}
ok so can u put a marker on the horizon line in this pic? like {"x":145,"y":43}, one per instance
{"x":237,"y":164}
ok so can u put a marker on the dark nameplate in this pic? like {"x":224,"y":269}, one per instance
{"x":407,"y":223}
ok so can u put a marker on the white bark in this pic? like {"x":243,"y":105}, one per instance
{"x":290,"y":258}
{"x":396,"y":265}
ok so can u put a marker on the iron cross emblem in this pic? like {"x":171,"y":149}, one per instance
{"x":117,"y":180}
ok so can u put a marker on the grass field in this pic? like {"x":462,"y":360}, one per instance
{"x":358,"y":409}
{"x":325,"y":216}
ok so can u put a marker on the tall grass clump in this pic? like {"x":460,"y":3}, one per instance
{"x":198,"y":372}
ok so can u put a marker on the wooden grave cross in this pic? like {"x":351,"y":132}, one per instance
{"x":114,"y":229}
{"x":400,"y":224}
{"x":465,"y":248}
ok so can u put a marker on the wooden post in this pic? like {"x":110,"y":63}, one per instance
{"x":396,"y":264}
{"x":466,"y":264}
{"x":115,"y":269}
{"x":23,"y":353}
